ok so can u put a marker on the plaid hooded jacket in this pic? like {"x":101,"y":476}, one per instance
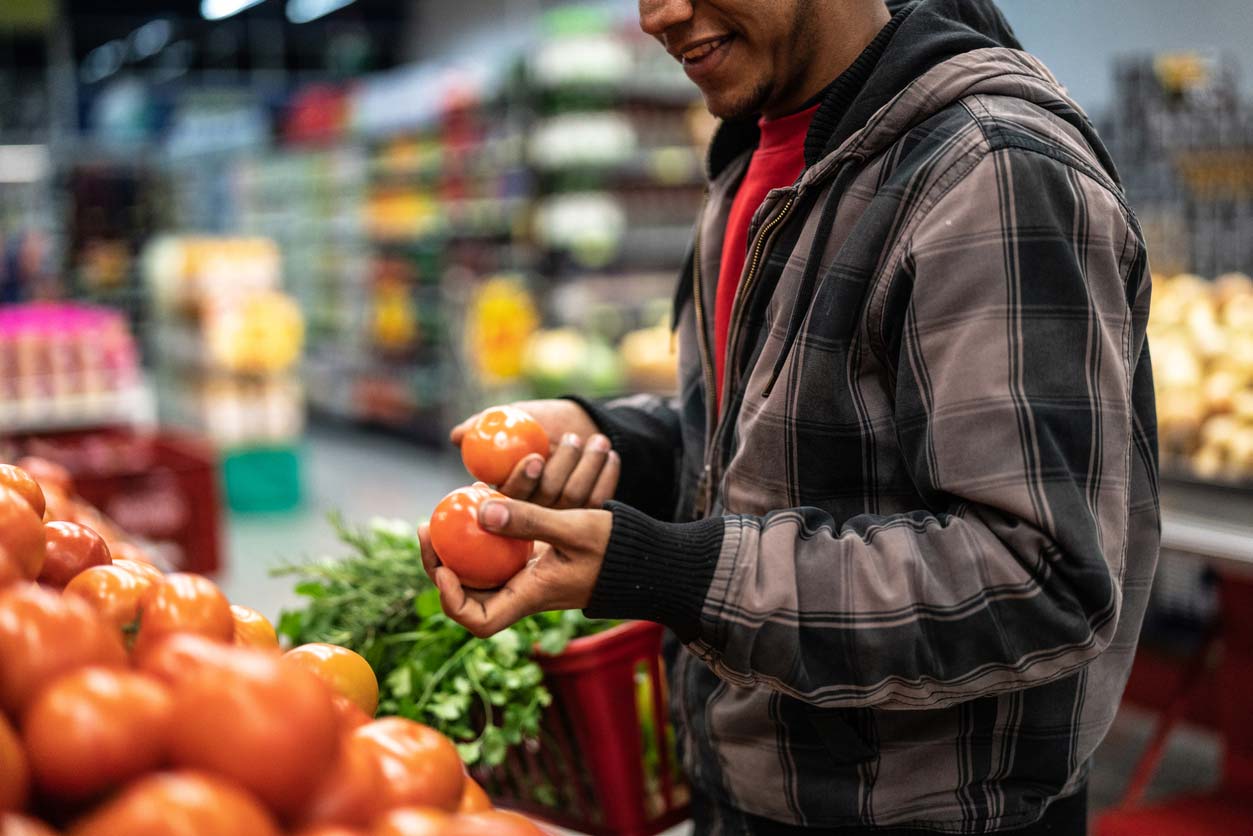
{"x":909,"y":558}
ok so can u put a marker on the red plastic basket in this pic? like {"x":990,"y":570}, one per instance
{"x":161,"y":487}
{"x":604,"y":764}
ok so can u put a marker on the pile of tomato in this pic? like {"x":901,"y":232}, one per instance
{"x":139,"y":703}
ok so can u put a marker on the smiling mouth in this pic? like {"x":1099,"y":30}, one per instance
{"x":696,"y":54}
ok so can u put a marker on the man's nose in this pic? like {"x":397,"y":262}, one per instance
{"x":656,"y":16}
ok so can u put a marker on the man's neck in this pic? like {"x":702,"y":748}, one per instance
{"x":838,"y":38}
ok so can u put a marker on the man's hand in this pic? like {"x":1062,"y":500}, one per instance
{"x":581,"y":472}
{"x":569,"y":549}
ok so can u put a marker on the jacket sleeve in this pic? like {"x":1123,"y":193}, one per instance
{"x":645,"y":432}
{"x":1014,"y":356}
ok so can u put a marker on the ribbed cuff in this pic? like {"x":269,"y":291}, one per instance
{"x":657,"y":571}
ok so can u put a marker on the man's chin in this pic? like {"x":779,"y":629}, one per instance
{"x":730,"y":106}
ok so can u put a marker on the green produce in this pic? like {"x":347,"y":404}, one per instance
{"x":487,"y":695}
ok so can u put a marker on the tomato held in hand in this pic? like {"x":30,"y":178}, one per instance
{"x":494,"y":823}
{"x":252,"y":629}
{"x":344,"y":671}
{"x":351,"y":792}
{"x":186,"y":803}
{"x":11,"y":824}
{"x":497,"y":440}
{"x":71,"y":549}
{"x":21,"y":533}
{"x":420,"y":766}
{"x":14,"y":770}
{"x":259,"y":720}
{"x":43,"y":635}
{"x":480,"y":559}
{"x":184,"y":603}
{"x":19,"y":480}
{"x":95,"y":729}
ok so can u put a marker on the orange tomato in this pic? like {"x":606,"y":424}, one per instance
{"x":146,"y":570}
{"x":11,"y":824}
{"x":94,"y":729}
{"x":252,"y":629}
{"x":21,"y":533}
{"x":71,"y":549}
{"x":43,"y":635}
{"x":345,"y":671}
{"x":184,"y":603}
{"x":12,"y":476}
{"x":473,"y":798}
{"x":348,"y":715}
{"x":412,"y":821}
{"x":49,"y":475}
{"x":480,"y":559}
{"x":183,"y":803}
{"x":258,"y":720}
{"x":350,"y":793}
{"x":14,"y":770}
{"x":498,"y":440}
{"x":112,"y":591}
{"x":493,"y":823}
{"x":10,"y":570}
{"x":173,"y":658}
{"x":420,"y":766}
{"x":122,"y":550}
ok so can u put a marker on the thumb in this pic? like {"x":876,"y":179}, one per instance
{"x":526,"y":521}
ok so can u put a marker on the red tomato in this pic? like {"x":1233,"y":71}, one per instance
{"x":182,"y":803}
{"x":412,"y":821}
{"x":346,"y":672}
{"x":14,"y":770}
{"x":11,"y":824}
{"x":177,"y":656}
{"x":258,"y":720}
{"x":252,"y":629}
{"x":146,"y":570}
{"x":19,"y":480}
{"x":112,"y":591}
{"x":43,"y":635}
{"x":10,"y":570}
{"x":184,"y":603}
{"x":49,"y":475}
{"x":420,"y":766}
{"x":71,"y":549}
{"x":21,"y":533}
{"x":480,"y":559}
{"x":347,"y":714}
{"x":351,"y":792}
{"x":498,"y":440}
{"x":493,"y":823}
{"x":94,"y":729}
{"x":473,"y":798}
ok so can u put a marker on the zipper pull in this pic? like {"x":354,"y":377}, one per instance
{"x":704,"y":492}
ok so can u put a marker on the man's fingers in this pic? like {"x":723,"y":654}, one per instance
{"x":482,"y":613}
{"x":522,"y":483}
{"x":607,"y":482}
{"x":582,"y":479}
{"x":527,"y":521}
{"x":458,"y":432}
{"x":558,"y":469}
{"x":429,"y":559}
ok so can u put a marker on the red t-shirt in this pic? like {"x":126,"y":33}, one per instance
{"x":777,"y":162}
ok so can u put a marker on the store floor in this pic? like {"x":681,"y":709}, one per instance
{"x":363,"y":475}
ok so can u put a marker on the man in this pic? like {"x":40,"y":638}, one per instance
{"x":903,"y":514}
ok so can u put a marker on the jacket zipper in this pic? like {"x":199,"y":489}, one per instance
{"x":706,"y":358}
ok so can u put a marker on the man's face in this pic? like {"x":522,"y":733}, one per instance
{"x":742,"y":54}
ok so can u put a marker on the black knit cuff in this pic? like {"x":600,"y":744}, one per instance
{"x":656,"y":571}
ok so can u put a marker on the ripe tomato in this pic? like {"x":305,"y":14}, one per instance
{"x":146,"y":570}
{"x":112,"y":591}
{"x":324,"y":830}
{"x":184,"y":603}
{"x":480,"y":559}
{"x":412,"y":821}
{"x":420,"y":766}
{"x":173,"y":658}
{"x":94,"y":729}
{"x":43,"y":635}
{"x":345,"y":671}
{"x":122,"y":550}
{"x":71,"y":549}
{"x":473,"y":798}
{"x":498,"y":440}
{"x":350,"y":793}
{"x":49,"y":475}
{"x":183,"y":803}
{"x":14,"y":770}
{"x":348,"y":715}
{"x":252,"y":629}
{"x":12,"y":476}
{"x":21,"y":533}
{"x":493,"y":823}
{"x":260,"y":721}
{"x":10,"y":570}
{"x":11,"y":824}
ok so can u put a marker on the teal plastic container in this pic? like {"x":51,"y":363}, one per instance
{"x":263,"y":479}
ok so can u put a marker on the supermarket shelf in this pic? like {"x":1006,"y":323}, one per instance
{"x":131,"y":407}
{"x":1213,"y":524}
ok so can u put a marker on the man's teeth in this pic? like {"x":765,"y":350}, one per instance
{"x":698,"y":52}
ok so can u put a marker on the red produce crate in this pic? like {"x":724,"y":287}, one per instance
{"x":605,"y":763}
{"x":161,"y":487}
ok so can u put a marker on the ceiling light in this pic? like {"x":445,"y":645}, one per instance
{"x":219,"y":9}
{"x":151,"y":38}
{"x":303,"y":11}
{"x":23,"y":163}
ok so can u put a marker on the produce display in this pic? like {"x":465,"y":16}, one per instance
{"x":1201,"y":334}
{"x":134,"y":702}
